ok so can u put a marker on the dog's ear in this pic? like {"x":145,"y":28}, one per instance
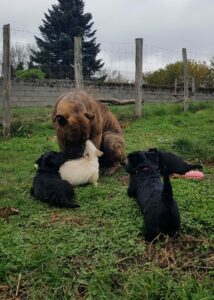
{"x":130,"y":168}
{"x":153,"y":158}
{"x":89,"y":116}
{"x":62,"y":121}
{"x":55,"y":159}
{"x":99,"y":153}
{"x":131,"y":163}
{"x":153,"y":150}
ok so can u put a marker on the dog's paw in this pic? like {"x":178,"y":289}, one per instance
{"x":75,"y":205}
{"x":110,"y":171}
{"x":70,"y":205}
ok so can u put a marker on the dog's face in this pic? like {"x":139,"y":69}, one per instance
{"x":139,"y":167}
{"x":134,"y":159}
{"x":73,"y":125}
{"x":50,"y":161}
{"x":138,"y":161}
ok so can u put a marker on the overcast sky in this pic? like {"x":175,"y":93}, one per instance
{"x":165,"y":25}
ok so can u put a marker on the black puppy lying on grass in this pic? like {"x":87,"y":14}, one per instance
{"x":155,"y":199}
{"x":48,"y":185}
{"x":174,"y":163}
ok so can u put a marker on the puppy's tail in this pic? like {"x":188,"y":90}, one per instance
{"x":32,"y":192}
{"x":167,"y":194}
{"x":67,"y":199}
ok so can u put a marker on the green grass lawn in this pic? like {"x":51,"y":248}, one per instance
{"x":98,"y":250}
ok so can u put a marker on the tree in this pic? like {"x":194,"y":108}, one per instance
{"x":30,"y":74}
{"x":20,"y":56}
{"x":55,"y":54}
{"x":200,"y":71}
{"x":210,"y":79}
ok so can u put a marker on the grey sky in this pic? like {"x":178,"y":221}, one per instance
{"x":165,"y":25}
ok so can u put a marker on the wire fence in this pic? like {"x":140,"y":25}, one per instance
{"x":119,"y":67}
{"x":118,"y":58}
{"x":162,"y":77}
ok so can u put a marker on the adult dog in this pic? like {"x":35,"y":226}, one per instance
{"x":48,"y":185}
{"x":155,"y":199}
{"x":77,"y":117}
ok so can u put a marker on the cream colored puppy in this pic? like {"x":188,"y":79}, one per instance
{"x":84,"y":169}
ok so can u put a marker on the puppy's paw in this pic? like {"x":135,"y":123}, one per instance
{"x":71,"y":205}
{"x":75,"y":205}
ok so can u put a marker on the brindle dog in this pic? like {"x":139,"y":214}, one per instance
{"x":77,"y":117}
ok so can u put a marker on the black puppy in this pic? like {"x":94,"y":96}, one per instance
{"x":48,"y":185}
{"x":155,"y":199}
{"x":174,"y":163}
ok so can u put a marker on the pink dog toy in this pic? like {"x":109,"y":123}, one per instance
{"x":197,"y":175}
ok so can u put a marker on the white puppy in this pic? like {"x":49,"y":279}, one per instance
{"x":84,"y":169}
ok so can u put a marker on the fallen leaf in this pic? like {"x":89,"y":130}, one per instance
{"x":6,"y":212}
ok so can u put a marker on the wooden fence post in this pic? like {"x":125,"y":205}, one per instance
{"x":138,"y":76}
{"x":78,"y":62}
{"x":176,"y":89}
{"x":186,"y":85}
{"x":193,"y":88}
{"x":6,"y":81}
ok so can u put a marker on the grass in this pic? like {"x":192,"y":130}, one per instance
{"x":98,"y":251}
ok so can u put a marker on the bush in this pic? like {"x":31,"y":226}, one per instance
{"x":30,"y":73}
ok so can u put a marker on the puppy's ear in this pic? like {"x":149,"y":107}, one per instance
{"x":99,"y":153}
{"x":131,"y":170}
{"x":62,"y":121}
{"x":153,"y":150}
{"x":154,"y":158}
{"x":89,"y":116}
{"x":55,"y":160}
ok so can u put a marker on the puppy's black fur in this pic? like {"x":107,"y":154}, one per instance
{"x":174,"y":163}
{"x":48,"y":185}
{"x":155,"y":199}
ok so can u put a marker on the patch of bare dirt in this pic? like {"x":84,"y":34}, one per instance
{"x":125,"y":124}
{"x":16,"y":292}
{"x":71,"y":219}
{"x":124,"y":180}
{"x":181,"y":254}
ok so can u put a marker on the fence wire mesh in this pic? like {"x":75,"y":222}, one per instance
{"x":162,"y":71}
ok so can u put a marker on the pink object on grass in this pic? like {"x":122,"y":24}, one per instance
{"x":194,"y":175}
{"x":198,"y":175}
